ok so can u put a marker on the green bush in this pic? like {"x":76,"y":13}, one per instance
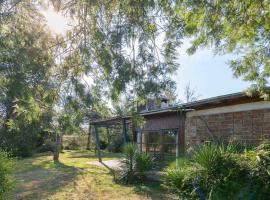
{"x":127,"y":173}
{"x":178,"y":178}
{"x":219,"y":172}
{"x":134,"y":164}
{"x":6,"y":182}
{"x":260,"y":172}
{"x":48,"y":147}
{"x":144,"y":162}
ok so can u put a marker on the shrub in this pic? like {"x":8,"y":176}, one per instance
{"x":212,"y":171}
{"x":116,"y":145}
{"x":260,"y":172}
{"x":144,"y":162}
{"x":6,"y":182}
{"x":265,"y":145}
{"x":48,"y":147}
{"x":103,"y":144}
{"x":127,"y":173}
{"x":178,"y":178}
{"x":133,"y":164}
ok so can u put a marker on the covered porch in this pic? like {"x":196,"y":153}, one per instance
{"x":163,"y":133}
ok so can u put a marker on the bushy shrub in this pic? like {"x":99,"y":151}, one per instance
{"x":116,"y":145}
{"x":103,"y":144}
{"x":144,"y":162}
{"x":179,"y":178}
{"x":133,"y":164}
{"x":127,"y":173}
{"x":48,"y":147}
{"x":219,"y":172}
{"x":259,"y":163}
{"x":6,"y":182}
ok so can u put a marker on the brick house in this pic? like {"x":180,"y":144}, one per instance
{"x":170,"y":130}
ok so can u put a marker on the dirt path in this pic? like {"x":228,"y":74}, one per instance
{"x":114,"y":164}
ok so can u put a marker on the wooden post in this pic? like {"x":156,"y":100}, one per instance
{"x":88,"y":145}
{"x":161,"y":145}
{"x":125,"y":136}
{"x":98,"y":144}
{"x":139,"y":141}
{"x":180,"y":138}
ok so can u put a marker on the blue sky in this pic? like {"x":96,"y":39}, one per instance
{"x":208,"y":73}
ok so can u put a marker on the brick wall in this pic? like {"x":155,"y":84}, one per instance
{"x":248,"y":126}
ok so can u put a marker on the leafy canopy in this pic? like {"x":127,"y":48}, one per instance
{"x":127,"y":46}
{"x":240,"y":27}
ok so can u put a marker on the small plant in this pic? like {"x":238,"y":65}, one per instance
{"x":127,"y":173}
{"x":212,"y":171}
{"x":134,"y":163}
{"x":6,"y":182}
{"x":144,"y":162}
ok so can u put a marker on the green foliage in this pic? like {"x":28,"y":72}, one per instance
{"x":73,"y":145}
{"x":133,"y":164}
{"x":128,"y":163}
{"x":240,"y":27}
{"x":216,"y":171}
{"x":6,"y":182}
{"x":144,"y":162}
{"x":265,"y":145}
{"x":46,"y":147}
{"x":27,"y":92}
{"x":120,"y":45}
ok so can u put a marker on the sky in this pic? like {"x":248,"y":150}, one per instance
{"x":209,"y":74}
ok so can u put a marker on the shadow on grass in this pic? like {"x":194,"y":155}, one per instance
{"x":92,"y":154}
{"x":41,"y":183}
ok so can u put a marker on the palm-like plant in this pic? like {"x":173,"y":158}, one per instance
{"x":134,"y":163}
{"x":128,"y":163}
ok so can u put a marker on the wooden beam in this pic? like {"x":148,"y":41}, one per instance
{"x":180,"y":139}
{"x":98,"y":144}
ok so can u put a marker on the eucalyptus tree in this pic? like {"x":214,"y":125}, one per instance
{"x":26,"y":88}
{"x":240,"y":27}
{"x":127,"y":46}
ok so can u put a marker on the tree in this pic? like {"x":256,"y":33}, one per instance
{"x":239,"y":27}
{"x":190,"y":93}
{"x":129,"y":46}
{"x":27,"y":94}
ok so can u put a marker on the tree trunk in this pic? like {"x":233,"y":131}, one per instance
{"x":57,"y":148}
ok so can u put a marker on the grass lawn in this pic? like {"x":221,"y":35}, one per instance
{"x":73,"y":179}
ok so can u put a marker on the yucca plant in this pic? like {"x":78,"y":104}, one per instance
{"x":130,"y":153}
{"x":206,"y":156}
{"x":134,"y":163}
{"x":144,"y":162}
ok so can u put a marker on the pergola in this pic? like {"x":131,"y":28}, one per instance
{"x":110,"y":123}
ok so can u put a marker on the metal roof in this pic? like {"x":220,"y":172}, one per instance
{"x":184,"y":106}
{"x":216,"y":99}
{"x":195,"y":104}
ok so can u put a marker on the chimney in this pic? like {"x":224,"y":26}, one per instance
{"x":164,"y":103}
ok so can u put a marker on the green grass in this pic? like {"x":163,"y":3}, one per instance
{"x":40,"y":178}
